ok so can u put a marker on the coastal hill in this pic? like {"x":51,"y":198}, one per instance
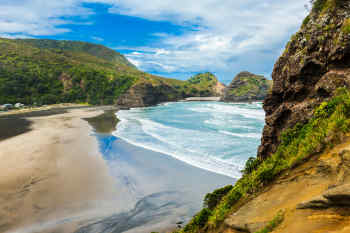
{"x":150,"y":91}
{"x":247,"y":87}
{"x":50,"y":71}
{"x":300,"y":181}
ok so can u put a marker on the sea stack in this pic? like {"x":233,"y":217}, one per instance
{"x":246,"y":87}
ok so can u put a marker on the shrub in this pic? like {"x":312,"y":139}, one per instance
{"x":275,"y":222}
{"x":212,"y":199}
{"x":251,"y":164}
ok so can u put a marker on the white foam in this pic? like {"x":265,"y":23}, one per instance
{"x":217,"y":148}
{"x":242,"y":135}
{"x":233,"y":109}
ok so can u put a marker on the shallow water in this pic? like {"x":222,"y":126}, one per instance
{"x":215,"y":136}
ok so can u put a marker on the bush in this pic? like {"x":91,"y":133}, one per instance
{"x":251,"y":164}
{"x":212,"y":199}
{"x":273,"y":224}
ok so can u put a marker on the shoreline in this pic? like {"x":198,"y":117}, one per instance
{"x":46,"y":171}
{"x":47,"y":184}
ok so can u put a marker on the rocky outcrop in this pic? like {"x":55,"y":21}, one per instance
{"x":314,"y":64}
{"x":151,"y":91}
{"x":246,"y":87}
{"x":313,"y":199}
{"x":146,"y":94}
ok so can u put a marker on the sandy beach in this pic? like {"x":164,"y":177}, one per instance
{"x":60,"y":176}
{"x":46,"y":172}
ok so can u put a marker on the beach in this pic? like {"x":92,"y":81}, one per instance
{"x":60,"y":175}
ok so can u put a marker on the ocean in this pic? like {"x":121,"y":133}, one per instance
{"x":215,"y":136}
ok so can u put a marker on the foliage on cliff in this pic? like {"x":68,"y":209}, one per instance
{"x":247,"y":87}
{"x":47,"y":72}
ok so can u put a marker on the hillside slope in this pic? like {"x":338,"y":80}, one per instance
{"x":300,"y":181}
{"x":247,"y":87}
{"x":96,"y":50}
{"x":47,"y":72}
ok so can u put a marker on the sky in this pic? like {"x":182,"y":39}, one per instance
{"x":171,"y":38}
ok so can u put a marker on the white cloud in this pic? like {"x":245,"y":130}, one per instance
{"x":219,"y":35}
{"x":229,"y":35}
{"x":97,"y":38}
{"x":38,"y":17}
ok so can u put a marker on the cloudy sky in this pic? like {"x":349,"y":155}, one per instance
{"x":173,"y":38}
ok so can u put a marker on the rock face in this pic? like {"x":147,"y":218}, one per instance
{"x":149,"y":92}
{"x":246,"y":87}
{"x":314,"y":64}
{"x":145,"y":94}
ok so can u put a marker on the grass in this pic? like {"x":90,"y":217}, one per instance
{"x":346,"y":26}
{"x":252,"y":85}
{"x":329,"y":123}
{"x":273,"y":224}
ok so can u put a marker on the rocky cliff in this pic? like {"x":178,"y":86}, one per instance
{"x":300,"y":181}
{"x":247,"y":87}
{"x":314,"y":64}
{"x":150,"y":91}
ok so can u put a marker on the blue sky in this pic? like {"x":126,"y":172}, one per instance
{"x":166,"y":37}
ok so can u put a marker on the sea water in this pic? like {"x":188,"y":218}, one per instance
{"x":214,"y":136}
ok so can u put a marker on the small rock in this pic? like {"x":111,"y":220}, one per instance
{"x":319,"y":202}
{"x":339,"y":196}
{"x":244,"y":226}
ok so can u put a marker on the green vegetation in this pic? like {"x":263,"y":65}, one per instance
{"x":306,"y":20}
{"x":321,"y":6}
{"x":211,"y":200}
{"x":252,"y":84}
{"x":318,"y":5}
{"x":95,"y":50}
{"x":50,"y":71}
{"x":273,"y":224}
{"x":247,"y":86}
{"x":203,"y":83}
{"x":329,"y":123}
{"x":31,"y":72}
{"x":346,"y":26}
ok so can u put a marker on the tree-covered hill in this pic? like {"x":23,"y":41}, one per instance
{"x":96,"y":50}
{"x":47,"y":72}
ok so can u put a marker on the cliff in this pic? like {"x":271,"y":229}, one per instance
{"x":300,"y":181}
{"x":148,"y":91}
{"x":247,"y":87}
{"x":314,"y":64}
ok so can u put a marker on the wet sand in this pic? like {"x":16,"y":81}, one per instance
{"x":60,"y":177}
{"x":157,"y":190}
{"x":45,"y":173}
